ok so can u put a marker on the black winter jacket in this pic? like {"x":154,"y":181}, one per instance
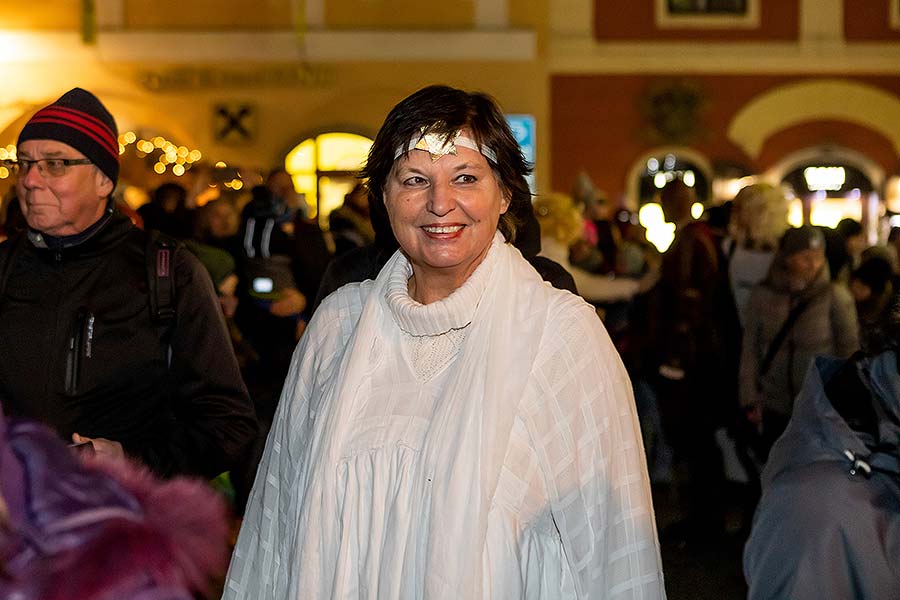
{"x":82,"y":353}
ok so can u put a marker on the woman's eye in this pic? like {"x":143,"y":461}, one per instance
{"x":414,"y":180}
{"x":466,"y":178}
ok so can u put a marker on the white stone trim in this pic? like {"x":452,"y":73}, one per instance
{"x":582,"y":56}
{"x":666,"y":20}
{"x":240,"y":48}
{"x":806,"y":101}
{"x":839,"y":154}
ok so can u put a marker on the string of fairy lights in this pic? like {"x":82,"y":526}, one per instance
{"x":178,"y":159}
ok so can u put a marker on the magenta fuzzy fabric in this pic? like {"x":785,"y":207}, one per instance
{"x":97,"y":529}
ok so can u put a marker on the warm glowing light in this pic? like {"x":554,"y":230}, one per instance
{"x":4,"y":172}
{"x":121,"y":149}
{"x":689,"y":179}
{"x":182,"y":151}
{"x":195,"y":155}
{"x":220,"y":165}
{"x":824,"y":178}
{"x":237,"y":184}
{"x":659,"y":233}
{"x":159,"y":168}
{"x":696,"y":210}
{"x":828,"y":212}
{"x":795,"y":213}
{"x":159,"y":141}
{"x":178,"y":170}
{"x":4,"y":153}
{"x":130,"y":137}
{"x":727,"y":189}
{"x":659,"y":180}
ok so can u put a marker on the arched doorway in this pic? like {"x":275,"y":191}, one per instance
{"x":324,"y":168}
{"x":830,"y":183}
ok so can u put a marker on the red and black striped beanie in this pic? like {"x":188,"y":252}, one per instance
{"x":80,"y":120}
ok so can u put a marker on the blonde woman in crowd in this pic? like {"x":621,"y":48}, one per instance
{"x":758,"y":220}
{"x":561,"y":226}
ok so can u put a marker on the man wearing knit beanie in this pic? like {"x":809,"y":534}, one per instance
{"x":79,"y":131}
{"x":119,"y":341}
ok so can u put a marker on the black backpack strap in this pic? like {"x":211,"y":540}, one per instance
{"x":160,"y":257}
{"x":779,"y":338}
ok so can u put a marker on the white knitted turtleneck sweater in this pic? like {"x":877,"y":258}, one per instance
{"x":433,"y":333}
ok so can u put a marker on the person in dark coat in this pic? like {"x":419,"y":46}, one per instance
{"x":115,"y":342}
{"x":828,"y":524}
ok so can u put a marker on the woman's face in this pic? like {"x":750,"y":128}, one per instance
{"x":444,"y":213}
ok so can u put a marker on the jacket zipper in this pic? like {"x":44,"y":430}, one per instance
{"x":76,"y":345}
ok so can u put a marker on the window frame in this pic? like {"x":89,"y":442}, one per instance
{"x":749,"y":20}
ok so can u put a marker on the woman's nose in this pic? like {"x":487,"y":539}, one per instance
{"x":441,"y":200}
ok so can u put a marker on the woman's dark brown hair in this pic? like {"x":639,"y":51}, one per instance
{"x":445,"y":110}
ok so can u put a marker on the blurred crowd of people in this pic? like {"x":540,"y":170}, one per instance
{"x":718,"y":333}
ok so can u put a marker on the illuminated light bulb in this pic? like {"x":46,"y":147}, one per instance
{"x":696,"y":210}
{"x":228,"y":184}
{"x":4,"y":153}
{"x":689,"y":178}
{"x":4,"y":172}
{"x":169,"y":147}
{"x":195,"y":155}
{"x":178,"y":170}
{"x":121,"y":149}
{"x":129,"y":137}
{"x":182,"y":151}
{"x":159,"y":168}
{"x":220,"y":165}
{"x":659,"y":180}
{"x":164,"y":160}
{"x":11,"y":148}
{"x":237,"y":184}
{"x":171,"y":156}
{"x":159,"y":141}
{"x":653,"y":165}
{"x":180,"y":160}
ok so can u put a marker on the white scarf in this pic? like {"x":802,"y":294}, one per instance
{"x":476,"y":411}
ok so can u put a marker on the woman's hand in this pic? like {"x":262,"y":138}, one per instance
{"x":101,"y":446}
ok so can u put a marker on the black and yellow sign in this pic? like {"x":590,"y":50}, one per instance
{"x":234,"y":123}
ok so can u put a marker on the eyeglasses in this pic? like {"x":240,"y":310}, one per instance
{"x":48,"y":167}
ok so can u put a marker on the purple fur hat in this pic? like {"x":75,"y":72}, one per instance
{"x":98,"y":529}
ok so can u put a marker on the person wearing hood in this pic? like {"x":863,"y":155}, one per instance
{"x":828,"y":524}
{"x":794,"y":315}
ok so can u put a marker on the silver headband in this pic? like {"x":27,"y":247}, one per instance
{"x":439,"y":144}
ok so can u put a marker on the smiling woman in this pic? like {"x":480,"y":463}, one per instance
{"x":455,"y":428}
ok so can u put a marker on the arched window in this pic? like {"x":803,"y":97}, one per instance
{"x":325,"y":168}
{"x":649,"y":176}
{"x":832,"y":191}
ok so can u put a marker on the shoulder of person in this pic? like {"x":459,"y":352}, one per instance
{"x":341,"y":308}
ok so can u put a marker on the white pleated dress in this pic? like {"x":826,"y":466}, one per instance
{"x":454,"y":450}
